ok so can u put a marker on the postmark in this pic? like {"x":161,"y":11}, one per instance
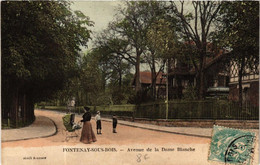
{"x":232,"y":146}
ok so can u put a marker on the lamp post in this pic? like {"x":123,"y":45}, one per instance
{"x":167,"y":90}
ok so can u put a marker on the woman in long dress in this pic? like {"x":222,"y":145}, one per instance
{"x":87,"y":134}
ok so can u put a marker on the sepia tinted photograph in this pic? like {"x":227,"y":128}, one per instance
{"x":129,"y":82}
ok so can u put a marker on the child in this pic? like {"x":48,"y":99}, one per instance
{"x":74,"y":125}
{"x":114,"y":123}
{"x":98,"y":121}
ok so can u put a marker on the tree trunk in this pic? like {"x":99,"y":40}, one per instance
{"x":137,"y":72}
{"x":30,"y":109}
{"x":179,"y":88}
{"x":13,"y":107}
{"x":202,"y":85}
{"x":24,"y":109}
{"x":120,"y":80}
{"x":103,"y":82}
{"x":240,"y":75}
{"x":153,"y":80}
{"x":7,"y":95}
{"x":202,"y":66}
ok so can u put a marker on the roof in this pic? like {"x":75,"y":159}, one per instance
{"x":184,"y":71}
{"x":209,"y":61}
{"x":146,"y":78}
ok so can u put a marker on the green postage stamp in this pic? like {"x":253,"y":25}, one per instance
{"x":231,"y":146}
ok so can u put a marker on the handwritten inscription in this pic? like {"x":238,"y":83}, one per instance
{"x":141,"y":157}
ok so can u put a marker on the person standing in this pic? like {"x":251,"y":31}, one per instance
{"x":87,"y":134}
{"x":114,"y":124}
{"x":71,"y":105}
{"x":98,"y":121}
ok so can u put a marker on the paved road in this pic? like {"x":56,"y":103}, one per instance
{"x":129,"y":146}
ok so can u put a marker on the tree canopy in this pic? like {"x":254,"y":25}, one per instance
{"x":238,"y":31}
{"x":42,"y":40}
{"x":239,"y":28}
{"x":40,"y":49}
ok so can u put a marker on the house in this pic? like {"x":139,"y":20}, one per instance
{"x":146,"y":82}
{"x":182,"y":75}
{"x":221,"y":78}
{"x":250,"y":84}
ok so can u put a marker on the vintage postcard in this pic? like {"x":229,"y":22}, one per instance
{"x":129,"y":83}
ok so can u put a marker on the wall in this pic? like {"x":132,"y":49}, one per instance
{"x":252,"y":92}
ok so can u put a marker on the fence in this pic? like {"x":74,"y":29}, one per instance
{"x":209,"y":109}
{"x":220,"y":110}
{"x":217,"y":110}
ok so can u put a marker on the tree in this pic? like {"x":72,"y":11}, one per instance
{"x":196,"y":24}
{"x":132,"y":26}
{"x":161,"y":41}
{"x":239,"y":32}
{"x":91,"y":78}
{"x":128,"y":36}
{"x":42,"y":40}
{"x":112,"y":52}
{"x":112,"y":63}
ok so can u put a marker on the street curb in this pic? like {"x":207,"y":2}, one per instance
{"x":151,"y":129}
{"x":45,"y":136}
{"x":178,"y":133}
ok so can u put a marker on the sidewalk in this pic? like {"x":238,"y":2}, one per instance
{"x":45,"y":127}
{"x":41,"y":127}
{"x":189,"y":131}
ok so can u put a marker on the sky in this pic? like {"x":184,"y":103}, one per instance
{"x":100,"y":12}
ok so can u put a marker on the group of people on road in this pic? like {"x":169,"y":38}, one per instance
{"x":87,"y":134}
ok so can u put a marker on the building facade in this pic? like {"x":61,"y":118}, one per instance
{"x":182,"y":76}
{"x":250,"y":84}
